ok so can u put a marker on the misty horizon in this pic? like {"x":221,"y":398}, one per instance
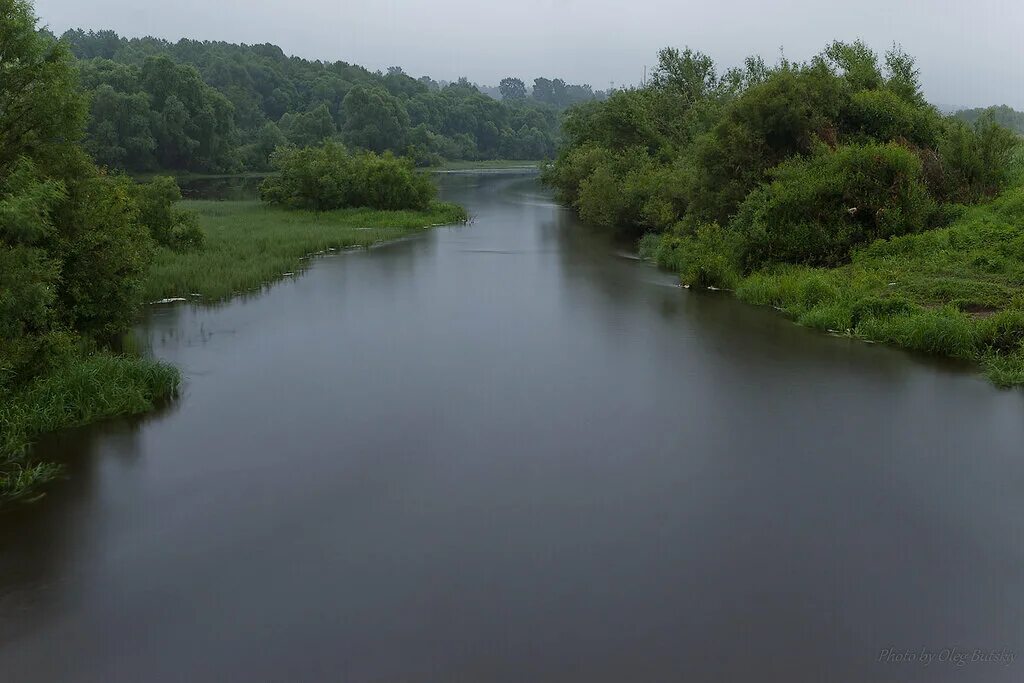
{"x":430,"y":43}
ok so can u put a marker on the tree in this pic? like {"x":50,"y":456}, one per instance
{"x":204,"y":106}
{"x":42,"y":110}
{"x":375,"y":120}
{"x":688,"y":74}
{"x":328,"y":177}
{"x":308,"y":128}
{"x":512,"y":89}
{"x":70,"y":239}
{"x":73,"y":251}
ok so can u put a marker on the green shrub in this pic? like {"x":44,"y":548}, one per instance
{"x":975,"y":160}
{"x":328,"y":178}
{"x":882,"y":115}
{"x":168,"y":225}
{"x":816,"y":210}
{"x":647,"y":247}
{"x":705,"y":258}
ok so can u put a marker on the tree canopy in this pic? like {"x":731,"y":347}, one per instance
{"x":795,"y":163}
{"x":75,"y":241}
{"x":217,"y":107}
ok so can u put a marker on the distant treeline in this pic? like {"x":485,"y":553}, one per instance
{"x":1003,"y":115}
{"x":220,"y":107}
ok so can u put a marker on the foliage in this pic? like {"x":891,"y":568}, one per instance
{"x":705,"y":258}
{"x":816,"y":209}
{"x":217,"y":107}
{"x":158,"y":115}
{"x":374,"y":119}
{"x":560,"y":94}
{"x":328,"y":177}
{"x":250,"y":244}
{"x":168,"y":225}
{"x":73,"y":254}
{"x":974,"y":160}
{"x":1003,"y":115}
{"x":803,"y":160}
{"x":512,"y":88}
{"x":92,"y":388}
{"x":951,"y":291}
{"x":829,"y":189}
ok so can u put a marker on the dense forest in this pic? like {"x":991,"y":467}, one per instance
{"x":831,"y":190}
{"x":219,"y":107}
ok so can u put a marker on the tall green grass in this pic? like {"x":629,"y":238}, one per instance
{"x":84,"y":391}
{"x":249,"y":244}
{"x":956,"y":291}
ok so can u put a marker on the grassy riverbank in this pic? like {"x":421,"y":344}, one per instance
{"x":84,"y":390}
{"x":956,"y":291}
{"x":250,"y":244}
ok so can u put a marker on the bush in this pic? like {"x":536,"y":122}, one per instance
{"x":769,"y":123}
{"x":883,"y":115}
{"x":168,"y":225}
{"x":705,"y":258}
{"x":816,"y":209}
{"x":328,"y":178}
{"x":975,"y":160}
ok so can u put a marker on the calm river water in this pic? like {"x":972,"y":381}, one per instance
{"x":508,"y":451}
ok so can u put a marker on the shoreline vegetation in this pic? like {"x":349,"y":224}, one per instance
{"x":83,"y":248}
{"x":956,"y":291}
{"x":250,"y":245}
{"x":247,"y":246}
{"x":830,"y":190}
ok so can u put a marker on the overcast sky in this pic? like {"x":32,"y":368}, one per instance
{"x":970,"y":51}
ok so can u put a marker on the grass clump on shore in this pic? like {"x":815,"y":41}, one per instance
{"x":956,"y":291}
{"x":249,"y":244}
{"x":83,"y":391}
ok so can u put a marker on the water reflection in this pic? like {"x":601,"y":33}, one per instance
{"x":507,"y":452}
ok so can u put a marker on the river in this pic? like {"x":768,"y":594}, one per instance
{"x":509,"y":451}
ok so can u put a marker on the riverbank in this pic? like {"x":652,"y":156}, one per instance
{"x":82,"y":391}
{"x":956,"y":291}
{"x":250,"y":244}
{"x":488,"y":165}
